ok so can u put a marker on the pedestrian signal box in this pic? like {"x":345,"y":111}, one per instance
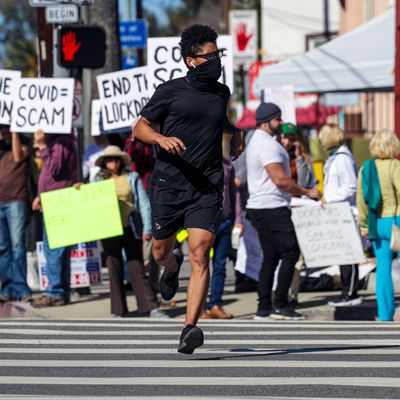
{"x":81,"y":47}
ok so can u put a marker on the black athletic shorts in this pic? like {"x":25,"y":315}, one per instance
{"x":174,"y":209}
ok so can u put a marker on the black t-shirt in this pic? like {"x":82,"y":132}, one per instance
{"x":197,"y":118}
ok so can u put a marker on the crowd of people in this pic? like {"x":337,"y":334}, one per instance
{"x":177,"y":172}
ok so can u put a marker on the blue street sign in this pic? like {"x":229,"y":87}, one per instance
{"x":133,"y":33}
{"x":129,"y":62}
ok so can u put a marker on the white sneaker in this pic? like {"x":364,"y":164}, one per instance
{"x":346,"y":301}
{"x":157,"y":313}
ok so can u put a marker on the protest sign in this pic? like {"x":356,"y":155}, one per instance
{"x":74,"y":216}
{"x":123,"y":94}
{"x":283,"y":96}
{"x":328,"y":235}
{"x":85,"y":262}
{"x":42,"y":103}
{"x":95,"y":118}
{"x":249,"y":255}
{"x":165,"y":62}
{"x":8,"y":79}
{"x":243,"y":28}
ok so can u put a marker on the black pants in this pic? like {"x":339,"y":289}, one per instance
{"x":278,"y":242}
{"x":349,"y":277}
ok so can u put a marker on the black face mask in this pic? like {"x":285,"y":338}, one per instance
{"x":205,"y":75}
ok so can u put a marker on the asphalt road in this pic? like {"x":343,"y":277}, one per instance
{"x":133,"y":358}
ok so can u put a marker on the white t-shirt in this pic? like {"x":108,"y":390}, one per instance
{"x":262,"y":150}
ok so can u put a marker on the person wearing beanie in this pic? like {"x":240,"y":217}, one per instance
{"x":270,"y":190}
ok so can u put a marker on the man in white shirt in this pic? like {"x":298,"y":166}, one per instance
{"x":270,"y":189}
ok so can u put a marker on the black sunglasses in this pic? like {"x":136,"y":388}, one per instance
{"x":211,"y":56}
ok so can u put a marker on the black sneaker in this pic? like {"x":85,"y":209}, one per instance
{"x":263,"y":313}
{"x":169,"y":282}
{"x":191,"y":338}
{"x":286,"y":313}
{"x":346,"y":301}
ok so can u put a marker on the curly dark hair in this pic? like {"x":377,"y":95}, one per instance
{"x":193,"y":37}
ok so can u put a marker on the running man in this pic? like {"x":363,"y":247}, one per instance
{"x":187,"y":183}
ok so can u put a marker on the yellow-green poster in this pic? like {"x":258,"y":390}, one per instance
{"x":81,"y":215}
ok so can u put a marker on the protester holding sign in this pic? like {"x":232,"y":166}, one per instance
{"x":59,"y":170}
{"x":133,"y":201}
{"x":186,"y":188}
{"x":14,"y":161}
{"x":378,"y":201}
{"x":271,"y":189}
{"x":340,"y":184}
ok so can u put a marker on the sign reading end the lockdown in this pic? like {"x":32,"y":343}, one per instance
{"x":42,"y":103}
{"x":8,"y":79}
{"x":328,"y":236}
{"x":74,"y":216}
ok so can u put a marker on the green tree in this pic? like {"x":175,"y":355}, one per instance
{"x":17,"y":36}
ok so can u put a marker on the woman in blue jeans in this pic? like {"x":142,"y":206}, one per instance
{"x":378,"y":202}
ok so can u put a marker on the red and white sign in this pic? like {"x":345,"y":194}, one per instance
{"x":243,"y":29}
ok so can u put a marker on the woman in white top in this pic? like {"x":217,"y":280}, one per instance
{"x":340,"y":184}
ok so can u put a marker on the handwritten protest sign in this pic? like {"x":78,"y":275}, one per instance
{"x":165,"y":62}
{"x":328,"y":235}
{"x":42,"y":103}
{"x":8,"y":79}
{"x":85,"y":261}
{"x":123,"y":94}
{"x":74,"y":216}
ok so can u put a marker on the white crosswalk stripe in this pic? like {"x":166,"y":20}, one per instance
{"x":137,"y":358}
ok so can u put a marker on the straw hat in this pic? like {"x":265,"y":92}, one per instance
{"x":114,"y":151}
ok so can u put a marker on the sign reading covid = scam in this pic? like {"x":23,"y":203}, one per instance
{"x":43,"y":103}
{"x":165,"y":62}
{"x":123,"y":94}
{"x":328,"y":235}
{"x":8,"y":80}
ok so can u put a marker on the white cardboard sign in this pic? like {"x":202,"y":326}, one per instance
{"x":243,"y":28}
{"x":165,"y":62}
{"x":283,"y":96}
{"x":328,"y":236}
{"x":95,"y":117}
{"x":8,"y":80}
{"x":123,"y":94}
{"x":43,"y":103}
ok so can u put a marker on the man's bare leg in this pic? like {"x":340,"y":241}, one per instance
{"x":200,"y":243}
{"x":162,"y":253}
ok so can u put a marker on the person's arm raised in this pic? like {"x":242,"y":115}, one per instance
{"x":19,"y":151}
{"x":144,"y":131}
{"x":287,"y":184}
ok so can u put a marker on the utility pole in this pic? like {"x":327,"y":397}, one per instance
{"x":326,"y":21}
{"x":139,"y":15}
{"x":397,"y":73}
{"x":45,"y":44}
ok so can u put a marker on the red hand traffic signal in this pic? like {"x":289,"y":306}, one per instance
{"x":81,"y":47}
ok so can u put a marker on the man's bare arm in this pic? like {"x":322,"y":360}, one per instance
{"x":18,"y":151}
{"x":287,"y":184}
{"x":145,"y":132}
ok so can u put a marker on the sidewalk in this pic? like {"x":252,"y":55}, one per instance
{"x":242,"y":305}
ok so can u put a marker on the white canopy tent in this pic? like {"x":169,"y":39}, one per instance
{"x":361,"y":60}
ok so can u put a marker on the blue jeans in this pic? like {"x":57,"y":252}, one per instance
{"x":12,"y":249}
{"x":222,"y":246}
{"x":58,"y":270}
{"x":384,"y":257}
